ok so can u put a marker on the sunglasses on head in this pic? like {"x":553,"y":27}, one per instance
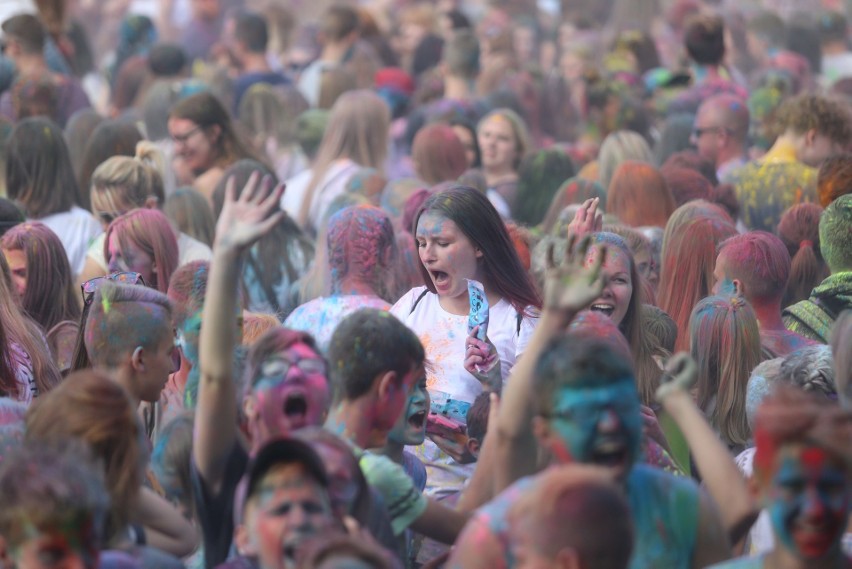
{"x":91,"y":286}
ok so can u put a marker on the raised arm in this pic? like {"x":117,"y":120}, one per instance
{"x":568,"y":288}
{"x":724,"y":481}
{"x":242,"y":222}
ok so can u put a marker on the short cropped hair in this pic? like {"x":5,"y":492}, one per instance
{"x":760,"y":260}
{"x":28,"y":31}
{"x":835,"y":234}
{"x":574,"y":506}
{"x":572,"y":361}
{"x":251,"y":30}
{"x":827,"y":116}
{"x":123,"y":317}
{"x":366,"y":344}
{"x":705,"y":39}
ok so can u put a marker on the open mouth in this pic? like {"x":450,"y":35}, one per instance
{"x":610,"y":452}
{"x":606,"y":309}
{"x":296,"y":405}
{"x":418,"y":420}
{"x":440,"y":278}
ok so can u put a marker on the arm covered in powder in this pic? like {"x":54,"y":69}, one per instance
{"x":569,"y":288}
{"x":723,"y":480}
{"x":242,"y":222}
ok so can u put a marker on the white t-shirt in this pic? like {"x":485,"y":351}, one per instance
{"x":76,"y":229}
{"x":189,"y":250}
{"x":332,"y":185}
{"x":443,"y":336}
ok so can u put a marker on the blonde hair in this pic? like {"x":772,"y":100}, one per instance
{"x":357,"y":130}
{"x":256,"y":324}
{"x":618,"y":148}
{"x":121,"y":183}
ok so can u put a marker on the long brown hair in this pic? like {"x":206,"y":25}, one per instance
{"x":358,"y":130}
{"x":725,"y":342}
{"x":90,"y":406}
{"x":692,"y":235}
{"x":22,"y":330}
{"x":471,"y":211}
{"x":39,"y":174}
{"x":51,"y":296}
{"x":633,"y":326}
{"x":281,"y":255}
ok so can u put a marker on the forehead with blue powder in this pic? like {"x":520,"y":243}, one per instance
{"x":578,"y":410}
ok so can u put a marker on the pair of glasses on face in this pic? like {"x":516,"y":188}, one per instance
{"x":699,"y":132}
{"x":91,"y":286}
{"x":278,"y":367}
{"x":183,"y":138}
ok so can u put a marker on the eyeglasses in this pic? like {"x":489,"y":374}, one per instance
{"x":699,"y":132}
{"x":91,"y":286}
{"x":277,"y":367}
{"x":182,"y":138}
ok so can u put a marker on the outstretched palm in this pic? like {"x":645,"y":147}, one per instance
{"x":246,"y":219}
{"x":571,"y":286}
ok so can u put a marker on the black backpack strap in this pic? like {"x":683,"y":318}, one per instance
{"x":416,"y":302}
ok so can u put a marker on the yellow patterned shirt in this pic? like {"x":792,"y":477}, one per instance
{"x":767,"y":187}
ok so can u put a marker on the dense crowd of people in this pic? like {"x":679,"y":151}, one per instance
{"x":414,"y":284}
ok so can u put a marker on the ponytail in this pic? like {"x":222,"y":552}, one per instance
{"x":799,"y":230}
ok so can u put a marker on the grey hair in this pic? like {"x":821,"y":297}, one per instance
{"x":760,"y":384}
{"x":811,"y":369}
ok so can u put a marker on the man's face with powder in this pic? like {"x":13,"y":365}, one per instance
{"x":288,"y":507}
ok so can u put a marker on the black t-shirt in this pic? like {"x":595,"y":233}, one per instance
{"x":216,"y":513}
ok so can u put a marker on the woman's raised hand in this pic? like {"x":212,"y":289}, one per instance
{"x":571,"y":286}
{"x":587,"y":219}
{"x":246,"y":219}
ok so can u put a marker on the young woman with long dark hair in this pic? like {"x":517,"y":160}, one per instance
{"x":461,"y":236}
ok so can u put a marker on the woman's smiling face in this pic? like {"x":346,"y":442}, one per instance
{"x":448,"y":255}
{"x":615,"y":298}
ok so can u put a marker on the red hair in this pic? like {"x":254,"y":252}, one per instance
{"x":438,"y":154}
{"x":834,"y":179}
{"x":151,"y":232}
{"x":638,"y":195}
{"x":799,"y":231}
{"x":687,"y":185}
{"x":688,"y":258}
{"x":761,"y":261}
